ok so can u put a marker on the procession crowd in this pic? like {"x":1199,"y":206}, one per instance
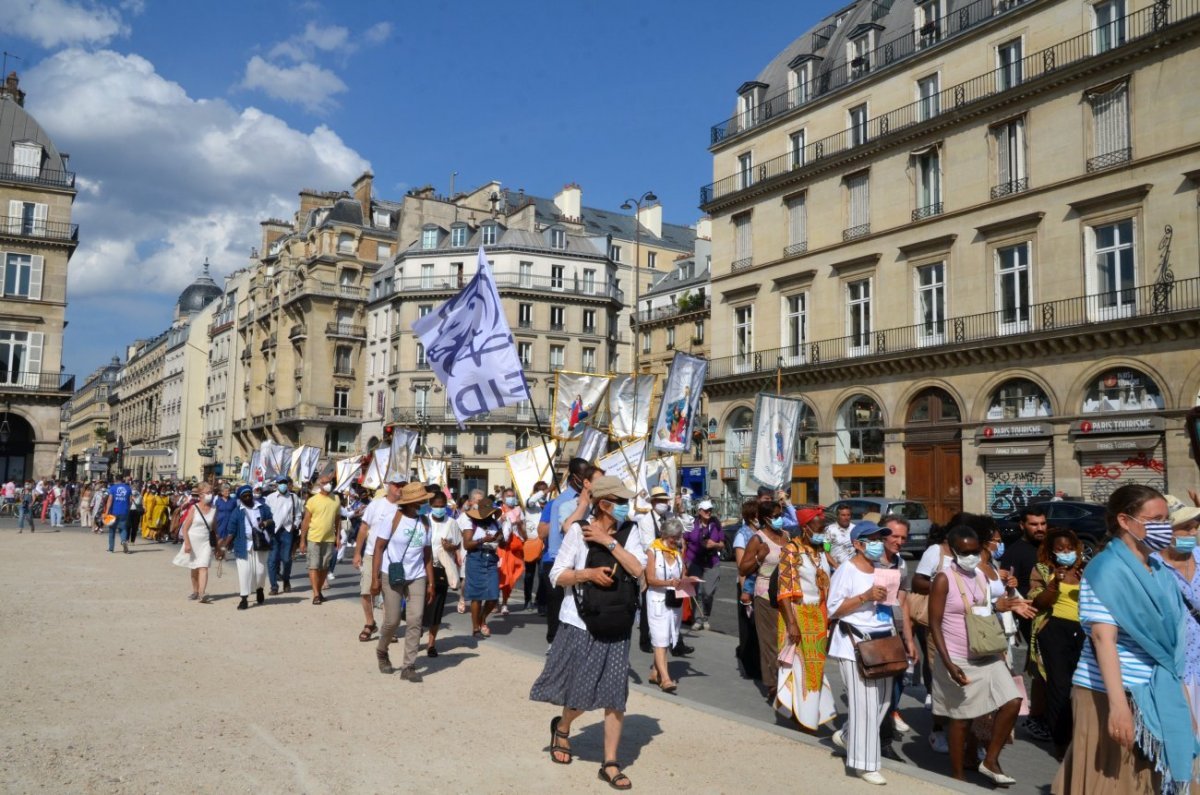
{"x":1111,"y":683}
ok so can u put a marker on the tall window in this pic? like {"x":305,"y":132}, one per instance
{"x":556,"y":318}
{"x":928,"y":97}
{"x":1112,"y":275}
{"x":927,"y":24}
{"x":743,"y":336}
{"x":931,"y":303}
{"x":558,"y":357}
{"x":797,"y":211}
{"x":743,"y":241}
{"x":345,"y":244}
{"x":427,"y":277}
{"x":645,"y":342}
{"x":1010,"y":158}
{"x":1110,"y":24}
{"x":27,"y":160}
{"x":488,"y":234}
{"x":424,"y":309}
{"x":383,"y":253}
{"x":458,"y":236}
{"x":341,"y":401}
{"x":929,"y":183}
{"x":858,"y":317}
{"x":860,"y":56}
{"x":798,"y":80}
{"x":698,"y":333}
{"x":481,"y":442}
{"x":558,"y":238}
{"x":1008,"y":64}
{"x":422,"y":361}
{"x":20,"y":357}
{"x":745,"y":170}
{"x":525,"y":274}
{"x":1110,"y":127}
{"x":1012,"y":288}
{"x":589,"y":360}
{"x":525,"y":352}
{"x":450,"y":442}
{"x":23,"y":276}
{"x":858,"y":125}
{"x":670,"y":338}
{"x":796,"y":148}
{"x":342,"y":357}
{"x":858,"y":205}
{"x":525,"y":315}
{"x":589,"y":280}
{"x":651,"y":259}
{"x":27,"y":218}
{"x":614,"y":253}
{"x":795,"y":328}
{"x":589,"y":321}
{"x":429,"y":238}
{"x":556,"y":277}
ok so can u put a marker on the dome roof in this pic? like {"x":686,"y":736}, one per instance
{"x":198,"y":294}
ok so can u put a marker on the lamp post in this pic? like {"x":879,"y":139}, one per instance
{"x":630,"y":204}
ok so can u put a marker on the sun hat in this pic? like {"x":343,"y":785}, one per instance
{"x":483,"y":510}
{"x":608,"y":487}
{"x":1180,"y":511}
{"x":413,"y":492}
{"x":659,"y":492}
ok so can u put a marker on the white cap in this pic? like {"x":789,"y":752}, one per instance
{"x":705,"y":505}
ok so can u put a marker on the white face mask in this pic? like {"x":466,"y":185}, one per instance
{"x":206,"y":499}
{"x":326,"y":487}
{"x":967,"y":562}
{"x":661,"y":508}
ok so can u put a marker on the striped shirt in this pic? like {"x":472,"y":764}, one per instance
{"x":1136,"y":664}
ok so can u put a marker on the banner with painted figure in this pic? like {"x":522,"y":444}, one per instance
{"x":377,"y":468}
{"x":254,"y":474}
{"x":530,"y":465}
{"x":274,"y":459}
{"x":470,"y":347}
{"x":577,"y":397}
{"x":593,"y":443}
{"x":404,"y":447}
{"x":628,"y":463}
{"x":776,"y":421}
{"x":303,"y":465}
{"x":629,"y":406}
{"x":345,"y":471}
{"x":680,"y":403}
{"x":663,"y":472}
{"x":431,"y":470}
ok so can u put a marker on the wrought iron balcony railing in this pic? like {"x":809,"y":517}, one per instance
{"x":36,"y":175}
{"x":346,"y":330}
{"x":18,"y":226}
{"x":579,"y":285}
{"x":855,"y":232}
{"x":443,"y":414}
{"x":1009,"y":188}
{"x":928,"y":211}
{"x":1109,"y":159}
{"x":26,"y":381}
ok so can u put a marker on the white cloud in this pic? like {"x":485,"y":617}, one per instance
{"x":378,"y":33}
{"x":304,"y":84}
{"x":183,"y":178}
{"x":315,"y":37}
{"x":54,"y":23}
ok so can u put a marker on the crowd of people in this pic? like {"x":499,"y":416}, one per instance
{"x":1112,"y":675}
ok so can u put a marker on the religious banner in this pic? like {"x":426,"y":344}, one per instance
{"x":304,"y":461}
{"x":346,"y":470}
{"x":593,"y":443}
{"x":254,"y":474}
{"x":530,"y":465}
{"x":629,"y":406}
{"x":628,"y":464}
{"x":377,"y":468}
{"x":404,"y":447}
{"x":274,"y":459}
{"x":680,"y":403}
{"x":662,"y":472}
{"x":776,"y":421}
{"x":431,"y":470}
{"x":577,"y":397}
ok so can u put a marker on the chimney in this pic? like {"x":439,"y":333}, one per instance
{"x":569,"y":201}
{"x":362,"y":195}
{"x":272,"y":230}
{"x":11,"y":89}
{"x":310,"y":200}
{"x":704,"y":228}
{"x":651,"y":218}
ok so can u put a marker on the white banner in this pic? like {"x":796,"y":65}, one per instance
{"x":776,"y":420}
{"x":255,"y":473}
{"x":432,"y":470}
{"x":404,"y":447}
{"x":347,"y":470}
{"x":662,"y":472}
{"x":274,"y":459}
{"x":530,"y":465}
{"x":577,"y":397}
{"x":680,"y":402}
{"x":592,"y":443}
{"x":304,"y":463}
{"x":628,"y":463}
{"x":377,"y":468}
{"x":470,"y":347}
{"x":629,"y":406}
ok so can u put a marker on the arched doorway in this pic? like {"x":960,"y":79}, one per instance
{"x":16,"y":451}
{"x":933,"y":453}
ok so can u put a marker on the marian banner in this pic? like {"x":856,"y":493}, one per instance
{"x":530,"y":465}
{"x":577,"y":398}
{"x":662,"y":472}
{"x":404,"y":447}
{"x":629,"y":406}
{"x":303,"y":465}
{"x":274,"y":459}
{"x":254,"y":474}
{"x":680,"y":403}
{"x":470,"y":347}
{"x":776,"y":421}
{"x":431,"y":470}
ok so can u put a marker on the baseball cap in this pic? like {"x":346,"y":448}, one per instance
{"x":399,"y":479}
{"x":865,"y":528}
{"x":704,"y":505}
{"x":608,"y":487}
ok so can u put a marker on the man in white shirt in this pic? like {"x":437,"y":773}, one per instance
{"x":376,"y":523}
{"x":287,"y":510}
{"x":405,"y":541}
{"x":837,"y":536}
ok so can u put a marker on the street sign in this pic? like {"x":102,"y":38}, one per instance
{"x":205,"y":452}
{"x":149,"y":452}
{"x":99,"y":460}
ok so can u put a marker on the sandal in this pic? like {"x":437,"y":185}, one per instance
{"x":485,"y":632}
{"x":668,"y":687}
{"x":368,"y":630}
{"x":555,"y":748}
{"x":619,"y":781}
{"x":653,"y":679}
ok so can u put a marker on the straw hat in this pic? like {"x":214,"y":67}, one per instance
{"x":1180,"y":511}
{"x":658,"y":492}
{"x":413,"y":492}
{"x":484,"y":510}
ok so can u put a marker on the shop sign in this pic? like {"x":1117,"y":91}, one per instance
{"x":1014,"y":430}
{"x":1118,"y":425}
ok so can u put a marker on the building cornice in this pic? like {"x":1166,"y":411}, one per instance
{"x":1020,"y":223}
{"x":1131,"y":195}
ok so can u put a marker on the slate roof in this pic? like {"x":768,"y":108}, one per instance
{"x":17,"y":125}
{"x":673,"y":280}
{"x":599,"y":223}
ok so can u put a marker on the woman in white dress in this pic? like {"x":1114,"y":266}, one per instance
{"x":195,"y":527}
{"x":664,"y":571}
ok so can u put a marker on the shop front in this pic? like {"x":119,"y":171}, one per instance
{"x":1018,"y":464}
{"x":695,"y":479}
{"x":858,"y":468}
{"x":1122,"y":438}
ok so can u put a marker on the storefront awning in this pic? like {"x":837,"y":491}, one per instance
{"x":1014,"y":448}
{"x":1117,"y":444}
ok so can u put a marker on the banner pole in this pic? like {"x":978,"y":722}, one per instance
{"x":551,"y":457}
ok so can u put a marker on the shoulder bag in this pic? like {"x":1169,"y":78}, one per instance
{"x":396,"y":568}
{"x":918,"y":603}
{"x":671,"y":598}
{"x":608,"y":613}
{"x":262,"y":535}
{"x":985,"y":634}
{"x":877,"y":657}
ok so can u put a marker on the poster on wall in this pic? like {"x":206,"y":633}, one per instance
{"x":577,"y":398}
{"x":680,"y":402}
{"x":530,"y":465}
{"x":776,"y":420}
{"x":629,"y":406}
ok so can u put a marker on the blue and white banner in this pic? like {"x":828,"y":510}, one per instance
{"x":470,"y":347}
{"x":680,"y":402}
{"x":776,"y":422}
{"x":404,"y":447}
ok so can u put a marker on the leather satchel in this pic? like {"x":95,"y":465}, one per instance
{"x":877,"y":658}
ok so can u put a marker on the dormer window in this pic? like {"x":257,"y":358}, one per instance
{"x":488,"y":234}
{"x":749,"y":101}
{"x":27,"y":160}
{"x":927,"y":22}
{"x":860,"y":46}
{"x":800,"y":81}
{"x":381,"y":219}
{"x":345,"y":243}
{"x":558,"y":238}
{"x":458,"y":235}
{"x":429,"y":237}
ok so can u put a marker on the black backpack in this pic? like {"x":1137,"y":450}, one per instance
{"x":608,"y":613}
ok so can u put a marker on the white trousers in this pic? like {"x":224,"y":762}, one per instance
{"x":868,"y":703}
{"x":252,"y":572}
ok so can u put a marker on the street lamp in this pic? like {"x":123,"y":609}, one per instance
{"x":5,"y":430}
{"x":630,"y":204}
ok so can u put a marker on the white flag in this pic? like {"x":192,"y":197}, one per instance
{"x":404,"y":447}
{"x":629,"y":406}
{"x":776,"y":420}
{"x":347,"y":470}
{"x":304,"y":463}
{"x":377,"y":467}
{"x":530,"y":465}
{"x":470,"y":347}
{"x":592,"y":443}
{"x":432,"y":470}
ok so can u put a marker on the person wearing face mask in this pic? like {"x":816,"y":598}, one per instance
{"x":468,"y":502}
{"x":650,"y":526}
{"x":406,"y":545}
{"x":664,"y":572}
{"x":1133,"y":731}
{"x":855,"y":600}
{"x":1181,"y":556}
{"x":445,"y":542}
{"x":195,"y":525}
{"x":482,"y":586}
{"x":747,"y":648}
{"x":512,"y":548}
{"x":318,"y":529}
{"x":580,"y":472}
{"x":1057,"y":637}
{"x":703,"y":555}
{"x":760,"y":560}
{"x":286,"y":510}
{"x":533,"y":547}
{"x":251,"y":515}
{"x":583,"y":671}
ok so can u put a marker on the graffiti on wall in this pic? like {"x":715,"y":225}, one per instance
{"x":1104,"y":478}
{"x":1009,"y":492}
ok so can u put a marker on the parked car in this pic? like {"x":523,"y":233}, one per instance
{"x":914,"y":512}
{"x":1085,"y":518}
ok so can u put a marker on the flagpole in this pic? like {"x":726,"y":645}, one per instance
{"x":537,"y":419}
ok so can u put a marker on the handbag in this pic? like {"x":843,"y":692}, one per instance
{"x":918,"y":603}
{"x":671,"y":597}
{"x":877,"y":657}
{"x":985,"y":634}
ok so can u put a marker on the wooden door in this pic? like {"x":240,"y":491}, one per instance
{"x":933,"y":476}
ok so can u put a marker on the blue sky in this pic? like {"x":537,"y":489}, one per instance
{"x":190,"y":122}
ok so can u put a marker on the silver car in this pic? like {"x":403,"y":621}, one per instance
{"x":914,"y":512}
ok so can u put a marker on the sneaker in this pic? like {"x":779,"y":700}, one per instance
{"x":411,"y":674}
{"x":503,"y":610}
{"x":1036,"y":729}
{"x":929,"y":701}
{"x":839,"y":739}
{"x":872,"y":777}
{"x":899,"y":724}
{"x":937,"y":741}
{"x":330,"y":578}
{"x":124,"y":547}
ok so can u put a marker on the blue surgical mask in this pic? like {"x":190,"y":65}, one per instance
{"x":511,"y":502}
{"x":438,"y":513}
{"x":1158,"y":535}
{"x":1066,"y":558}
{"x":873,"y":550}
{"x":818,"y":539}
{"x":282,"y":487}
{"x":998,"y":552}
{"x":423,"y":510}
{"x":777,"y":523}
{"x":1184,"y":543}
{"x":620,"y":513}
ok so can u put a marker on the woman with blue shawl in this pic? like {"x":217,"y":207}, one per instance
{"x":1133,"y":728}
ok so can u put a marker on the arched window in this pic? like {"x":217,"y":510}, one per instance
{"x":933,"y":406}
{"x":859,"y":432}
{"x":806,"y":436}
{"x":739,"y":438}
{"x":1018,"y":398}
{"x":1122,"y":390}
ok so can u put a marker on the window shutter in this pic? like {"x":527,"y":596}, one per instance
{"x":33,"y":360}
{"x":797,"y":221}
{"x":39,"y":218}
{"x":1003,"y":174}
{"x":35,"y":277}
{"x":860,"y":209}
{"x":14,"y":216}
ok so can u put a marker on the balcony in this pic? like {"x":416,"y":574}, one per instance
{"x":312,"y":287}
{"x":1109,"y":160}
{"x":566,"y":285}
{"x":1145,"y":25}
{"x":1137,"y":312}
{"x":307,"y":412}
{"x":298,"y":331}
{"x":795,"y":249}
{"x":35,"y":175}
{"x":444,"y":415}
{"x":928,"y":211}
{"x":25,"y":382}
{"x":855,"y":232}
{"x":343,"y":372}
{"x":674,"y":310}
{"x":346,"y":330}
{"x":16,"y":226}
{"x":741,"y":263}
{"x":1010,"y":188}
{"x":556,"y":326}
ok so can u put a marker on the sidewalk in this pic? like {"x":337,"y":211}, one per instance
{"x":123,"y":685}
